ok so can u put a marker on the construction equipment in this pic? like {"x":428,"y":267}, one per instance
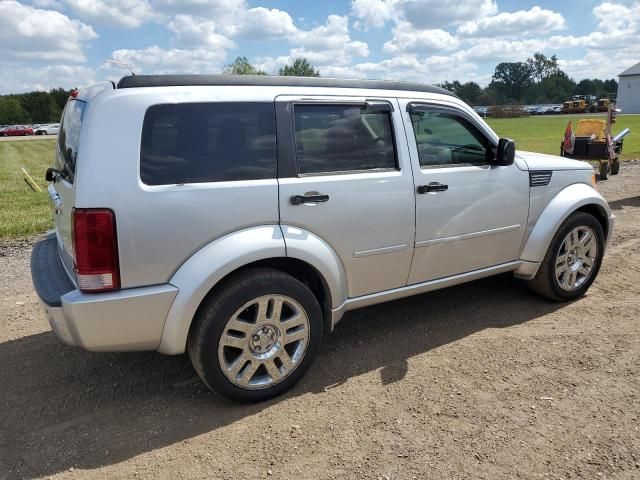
{"x":593,"y":141}
{"x":580,"y":104}
{"x":604,"y":102}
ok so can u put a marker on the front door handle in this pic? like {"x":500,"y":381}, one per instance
{"x":309,"y":198}
{"x":432,"y":187}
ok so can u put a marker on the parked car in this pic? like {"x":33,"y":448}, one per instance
{"x":17,"y":130}
{"x":239,"y":218}
{"x":51,"y":129}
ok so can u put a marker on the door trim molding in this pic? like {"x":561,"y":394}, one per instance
{"x":467,"y":236}
{"x":380,"y":251}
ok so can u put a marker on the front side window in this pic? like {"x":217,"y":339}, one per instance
{"x":208,"y":142}
{"x":447,"y":140}
{"x":342,"y":138}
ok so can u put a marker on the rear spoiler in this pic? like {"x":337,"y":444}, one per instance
{"x":88,"y":92}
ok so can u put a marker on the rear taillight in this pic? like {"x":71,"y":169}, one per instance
{"x":95,"y":247}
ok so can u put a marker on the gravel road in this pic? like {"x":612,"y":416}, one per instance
{"x":482,"y":381}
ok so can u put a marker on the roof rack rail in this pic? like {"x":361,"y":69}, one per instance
{"x":134,"y":81}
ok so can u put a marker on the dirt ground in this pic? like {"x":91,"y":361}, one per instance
{"x":482,"y":381}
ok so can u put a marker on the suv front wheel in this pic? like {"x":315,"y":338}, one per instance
{"x":256,"y":336}
{"x":573,"y":260}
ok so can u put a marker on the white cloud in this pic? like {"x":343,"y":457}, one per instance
{"x":331,"y":40}
{"x":372,"y":13}
{"x":263,"y":23}
{"x":535,"y":21}
{"x":161,"y":61}
{"x":422,"y":14}
{"x":122,"y":13}
{"x":408,"y":39}
{"x":30,"y":33}
{"x":441,"y":13}
{"x":211,"y":9}
{"x":190,"y":32}
{"x":49,"y":4}
{"x":24,"y":79}
{"x":327,"y":47}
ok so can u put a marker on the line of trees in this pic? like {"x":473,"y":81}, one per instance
{"x":539,"y":79}
{"x":299,"y":68}
{"x":33,"y":107}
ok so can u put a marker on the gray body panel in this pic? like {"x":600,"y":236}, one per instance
{"x":374,"y":240}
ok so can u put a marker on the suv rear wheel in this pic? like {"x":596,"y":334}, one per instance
{"x":573,"y":260}
{"x":256,"y":336}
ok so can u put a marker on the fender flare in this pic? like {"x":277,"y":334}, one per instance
{"x":312,"y":249}
{"x":206,"y":267}
{"x":567,"y":201}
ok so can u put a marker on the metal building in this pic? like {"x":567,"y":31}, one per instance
{"x":629,"y":90}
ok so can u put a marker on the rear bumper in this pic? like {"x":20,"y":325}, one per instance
{"x":125,"y":320}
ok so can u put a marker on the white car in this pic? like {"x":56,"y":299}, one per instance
{"x":51,"y":129}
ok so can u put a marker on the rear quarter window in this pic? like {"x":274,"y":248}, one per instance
{"x":208,"y":142}
{"x":69,"y":138}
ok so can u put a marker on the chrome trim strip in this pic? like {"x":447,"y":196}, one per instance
{"x":380,"y":251}
{"x":466,"y":236}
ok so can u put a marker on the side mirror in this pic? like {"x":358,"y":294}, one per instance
{"x":506,"y":152}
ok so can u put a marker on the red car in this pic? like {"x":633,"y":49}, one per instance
{"x":17,"y":130}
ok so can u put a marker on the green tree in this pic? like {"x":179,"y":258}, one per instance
{"x":470,"y":92}
{"x":542,"y":66}
{"x":611,"y":86}
{"x":60,"y":97}
{"x":557,"y":87}
{"x":12,"y":112}
{"x":39,"y":105}
{"x":300,"y":68}
{"x":512,"y":78}
{"x":241,"y":66}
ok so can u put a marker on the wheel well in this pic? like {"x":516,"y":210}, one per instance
{"x":598,"y":212}
{"x":298,"y":269}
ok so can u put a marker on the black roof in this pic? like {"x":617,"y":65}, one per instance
{"x":133,"y":81}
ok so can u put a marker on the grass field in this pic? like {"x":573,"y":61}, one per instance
{"x":544,"y":133}
{"x":22,"y":211}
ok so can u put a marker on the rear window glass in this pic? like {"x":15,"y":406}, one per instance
{"x":208,"y":142}
{"x":69,"y":138}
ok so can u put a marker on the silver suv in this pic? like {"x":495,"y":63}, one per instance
{"x":239,"y":218}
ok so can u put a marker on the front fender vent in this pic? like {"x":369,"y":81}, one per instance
{"x":539,"y":178}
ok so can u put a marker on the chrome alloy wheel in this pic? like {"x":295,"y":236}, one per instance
{"x":264,"y":341}
{"x":576,"y":258}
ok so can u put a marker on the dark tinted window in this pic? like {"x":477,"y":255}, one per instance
{"x":208,"y":142}
{"x":69,"y":138}
{"x":342,"y":138}
{"x":446,"y":140}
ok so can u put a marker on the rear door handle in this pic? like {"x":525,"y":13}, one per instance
{"x":432,"y":187}
{"x":309,"y":198}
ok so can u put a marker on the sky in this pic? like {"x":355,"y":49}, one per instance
{"x":66,"y":43}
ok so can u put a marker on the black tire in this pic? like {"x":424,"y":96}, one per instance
{"x":211,"y":319}
{"x":615,"y":167}
{"x":545,"y":282}
{"x":604,"y":170}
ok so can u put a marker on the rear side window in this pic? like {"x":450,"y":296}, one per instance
{"x":208,"y":142}
{"x":69,"y":138}
{"x":342,"y":138}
